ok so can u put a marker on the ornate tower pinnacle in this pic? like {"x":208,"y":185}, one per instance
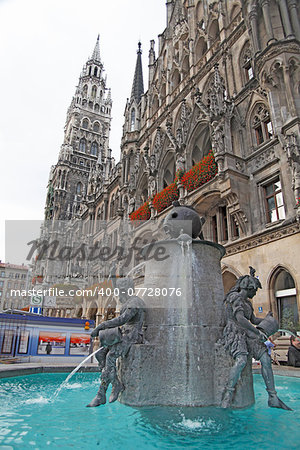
{"x":138,"y":83}
{"x":96,"y":52}
{"x":85,"y":146}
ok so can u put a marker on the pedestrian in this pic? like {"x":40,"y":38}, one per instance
{"x":294,"y":351}
{"x":48,"y":348}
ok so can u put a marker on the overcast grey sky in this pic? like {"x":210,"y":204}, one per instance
{"x":44,"y":44}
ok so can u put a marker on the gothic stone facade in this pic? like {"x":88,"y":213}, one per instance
{"x":226,"y":78}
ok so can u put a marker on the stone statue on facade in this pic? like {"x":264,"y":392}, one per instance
{"x":241,"y":338}
{"x":292,"y":149}
{"x":180,"y":163}
{"x":116,"y":337}
{"x":131,"y":205}
{"x":151,"y":186}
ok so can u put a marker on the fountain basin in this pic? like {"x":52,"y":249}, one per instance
{"x":29,"y":420}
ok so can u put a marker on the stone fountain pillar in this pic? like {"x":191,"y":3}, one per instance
{"x":181,"y":362}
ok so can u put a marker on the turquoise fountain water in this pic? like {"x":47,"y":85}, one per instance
{"x":29,"y":419}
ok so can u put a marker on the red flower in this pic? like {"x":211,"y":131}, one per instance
{"x":142,"y":213}
{"x":165,"y":197}
{"x":201,"y":173}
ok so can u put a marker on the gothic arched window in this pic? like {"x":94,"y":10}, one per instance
{"x":155,"y":103}
{"x":85,"y":90}
{"x":85,"y":123}
{"x":94,"y":149}
{"x":96,"y":126}
{"x":112,"y":207}
{"x":261,"y":124}
{"x":95,"y":71}
{"x":246,"y":63}
{"x":94,"y":91}
{"x":96,"y":107}
{"x":274,"y":202}
{"x":175,"y":79}
{"x":214,"y":32}
{"x":201,"y":48}
{"x":185,"y":65}
{"x":132,"y":120}
{"x":286,"y":299}
{"x":169,"y":172}
{"x":100,"y":154}
{"x":79,"y":188}
{"x":82,"y":145}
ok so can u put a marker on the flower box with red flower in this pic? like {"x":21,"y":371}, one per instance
{"x":164,"y":198}
{"x":142,"y":213}
{"x":204,"y":171}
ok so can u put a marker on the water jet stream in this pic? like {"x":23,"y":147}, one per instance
{"x":65,"y":382}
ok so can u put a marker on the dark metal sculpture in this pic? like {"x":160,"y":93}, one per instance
{"x":242,"y":339}
{"x":116,"y":337}
{"x":183,"y":219}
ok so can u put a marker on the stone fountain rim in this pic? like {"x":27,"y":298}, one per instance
{"x":220,"y":247}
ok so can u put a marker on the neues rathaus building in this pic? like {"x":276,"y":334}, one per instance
{"x":216,"y":128}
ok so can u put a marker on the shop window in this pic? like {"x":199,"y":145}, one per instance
{"x":23,"y":342}
{"x":7,"y":341}
{"x":56,"y":340}
{"x":274,"y":201}
{"x":79,"y":343}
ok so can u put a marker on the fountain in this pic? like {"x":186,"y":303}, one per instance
{"x":174,"y":380}
{"x":182,"y":362}
{"x":181,"y":359}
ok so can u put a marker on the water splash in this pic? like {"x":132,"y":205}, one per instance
{"x":199,"y":424}
{"x":73,"y":386}
{"x":64,"y":383}
{"x":40,"y":399}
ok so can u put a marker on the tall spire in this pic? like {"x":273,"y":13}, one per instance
{"x":96,"y":52}
{"x":138,"y":84}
